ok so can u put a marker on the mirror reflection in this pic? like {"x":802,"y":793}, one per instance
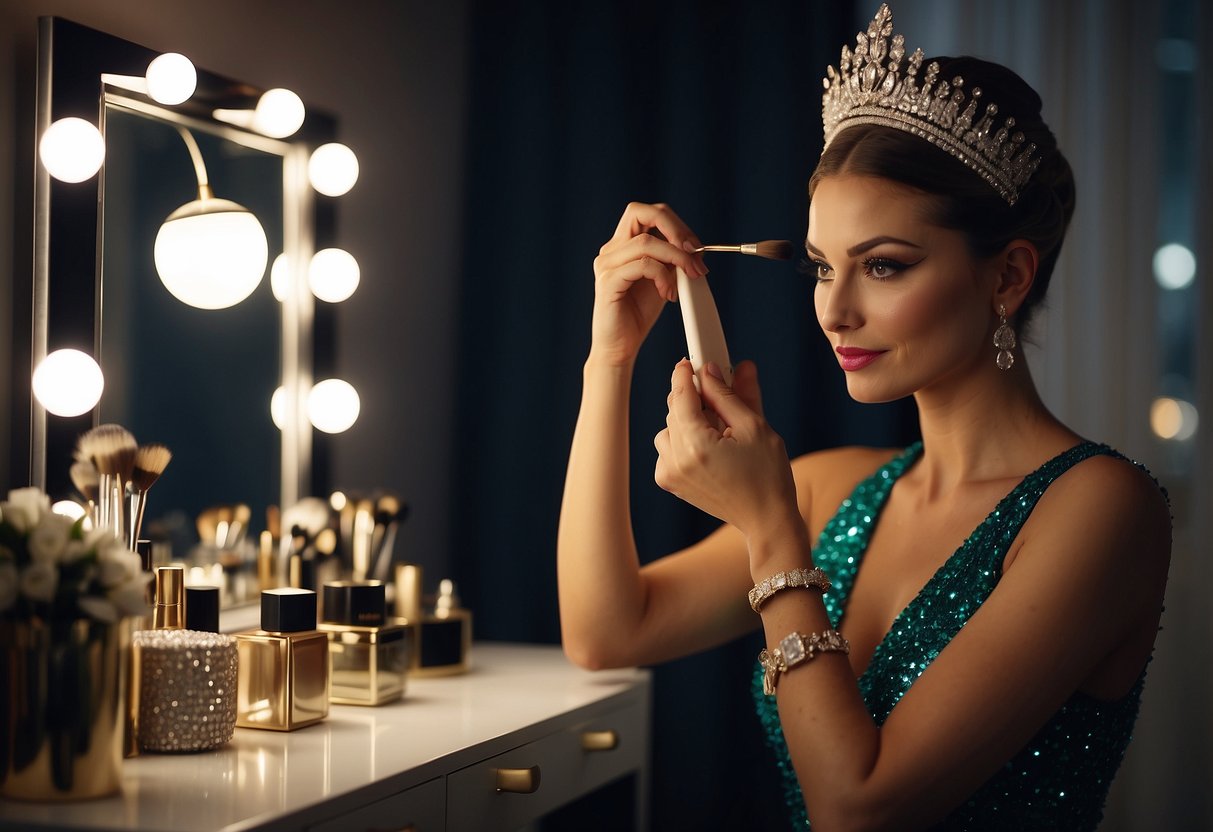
{"x":196,"y":379}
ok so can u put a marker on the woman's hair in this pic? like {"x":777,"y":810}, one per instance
{"x":963,"y":201}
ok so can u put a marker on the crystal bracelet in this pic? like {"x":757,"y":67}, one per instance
{"x":797,"y":649}
{"x":782,"y":580}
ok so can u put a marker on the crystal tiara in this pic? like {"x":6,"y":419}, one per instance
{"x":865,"y":90}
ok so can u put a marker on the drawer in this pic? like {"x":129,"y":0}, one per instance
{"x":419,"y":809}
{"x":560,"y":767}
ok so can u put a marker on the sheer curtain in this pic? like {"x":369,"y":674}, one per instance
{"x":1109,"y":74}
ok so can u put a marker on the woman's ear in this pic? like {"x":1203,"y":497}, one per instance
{"x":1016,"y":273}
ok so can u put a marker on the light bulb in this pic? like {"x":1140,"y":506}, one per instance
{"x":279,"y":113}
{"x":333,"y":274}
{"x":280,"y":277}
{"x":333,"y":406}
{"x":72,"y":150}
{"x":69,"y":508}
{"x":171,"y":78}
{"x":68,"y":383}
{"x":278,"y":407}
{"x":1174,"y":266}
{"x":332,"y":169}
{"x":211,"y":253}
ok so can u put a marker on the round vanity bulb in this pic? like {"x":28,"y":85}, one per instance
{"x":333,"y":406}
{"x":333,"y":274}
{"x":211,"y":253}
{"x":69,"y":508}
{"x":171,"y":78}
{"x":279,"y":113}
{"x":278,"y":407}
{"x":280,"y":277}
{"x":68,"y":383}
{"x":333,"y":169}
{"x":72,"y":150}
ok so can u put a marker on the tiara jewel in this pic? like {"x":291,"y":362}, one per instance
{"x":877,"y":84}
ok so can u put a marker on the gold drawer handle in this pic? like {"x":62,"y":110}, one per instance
{"x":518,"y":780}
{"x":408,"y":827}
{"x":599,"y":740}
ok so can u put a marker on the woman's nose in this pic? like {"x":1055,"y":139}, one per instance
{"x":837,"y":305}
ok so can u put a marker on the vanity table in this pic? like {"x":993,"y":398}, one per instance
{"x":523,"y":733}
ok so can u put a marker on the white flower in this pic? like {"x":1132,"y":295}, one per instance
{"x":116,"y":567}
{"x":99,"y":608}
{"x":8,"y":584}
{"x":24,"y":507}
{"x":39,"y":581}
{"x":48,"y":540}
{"x":131,"y":597}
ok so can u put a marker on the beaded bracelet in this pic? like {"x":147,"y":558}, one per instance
{"x":797,"y":649}
{"x":782,"y":580}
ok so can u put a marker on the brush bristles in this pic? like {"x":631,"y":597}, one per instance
{"x":150,"y":462}
{"x":775,"y":249}
{"x":86,"y":479}
{"x":113,"y":449}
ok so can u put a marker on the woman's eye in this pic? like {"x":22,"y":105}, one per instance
{"x":815,"y":269}
{"x":882,"y":269}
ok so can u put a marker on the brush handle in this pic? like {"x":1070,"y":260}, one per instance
{"x":705,"y":335}
{"x":138,"y":503}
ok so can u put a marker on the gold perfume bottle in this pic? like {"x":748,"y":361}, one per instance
{"x":284,"y":666}
{"x":443,"y":645}
{"x":368,"y":651}
{"x":184,"y":695}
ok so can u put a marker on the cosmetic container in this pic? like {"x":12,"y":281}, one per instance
{"x":184,"y":682}
{"x":443,"y":644}
{"x":284,"y":666}
{"x":368,"y":651}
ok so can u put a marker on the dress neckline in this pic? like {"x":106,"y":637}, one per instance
{"x":888,"y":475}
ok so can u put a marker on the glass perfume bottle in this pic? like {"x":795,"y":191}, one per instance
{"x":184,"y":691}
{"x":368,"y":651}
{"x":284,"y":666}
{"x":443,"y":638}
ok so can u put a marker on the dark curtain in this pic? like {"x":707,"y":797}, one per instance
{"x":575,"y":110}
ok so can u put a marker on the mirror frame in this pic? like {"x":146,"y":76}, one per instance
{"x":68,"y":279}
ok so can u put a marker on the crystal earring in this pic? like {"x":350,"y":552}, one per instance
{"x":1004,"y":340}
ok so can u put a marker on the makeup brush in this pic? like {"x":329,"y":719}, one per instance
{"x":390,"y":512}
{"x":113,"y":449}
{"x":88,"y":483}
{"x":150,"y":462}
{"x":770,"y":249}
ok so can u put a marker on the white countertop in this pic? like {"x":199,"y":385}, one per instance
{"x":355,"y":756}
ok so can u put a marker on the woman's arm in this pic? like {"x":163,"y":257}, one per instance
{"x":1075,"y":594}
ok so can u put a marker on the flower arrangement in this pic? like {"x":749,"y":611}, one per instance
{"x":53,"y":570}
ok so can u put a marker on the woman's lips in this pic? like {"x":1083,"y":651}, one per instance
{"x":854,"y":358}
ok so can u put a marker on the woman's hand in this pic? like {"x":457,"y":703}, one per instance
{"x":738,"y":472}
{"x":634,"y":277}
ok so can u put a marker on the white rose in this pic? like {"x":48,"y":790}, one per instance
{"x":118,"y":567}
{"x":48,"y":540}
{"x":39,"y":581}
{"x":99,"y":608}
{"x":8,"y":585}
{"x":24,"y":507}
{"x":131,"y":597}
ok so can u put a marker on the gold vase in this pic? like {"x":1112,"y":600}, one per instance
{"x":62,"y":691}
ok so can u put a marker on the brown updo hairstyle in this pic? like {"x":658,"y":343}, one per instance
{"x":963,"y":201}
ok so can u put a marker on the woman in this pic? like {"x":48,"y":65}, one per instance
{"x":907,"y":683}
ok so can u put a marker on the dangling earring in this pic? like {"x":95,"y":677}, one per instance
{"x":1004,"y":340}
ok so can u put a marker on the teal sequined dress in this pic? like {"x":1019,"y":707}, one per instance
{"x":1060,"y":779}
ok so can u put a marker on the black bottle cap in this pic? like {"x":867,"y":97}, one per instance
{"x":358,"y":603}
{"x":202,"y":608}
{"x":288,"y":610}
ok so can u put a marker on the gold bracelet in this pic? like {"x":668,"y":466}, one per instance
{"x":796,"y":649}
{"x":782,"y":580}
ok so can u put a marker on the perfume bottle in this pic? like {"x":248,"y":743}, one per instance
{"x":368,"y":651}
{"x":184,"y":695}
{"x":284,"y":666}
{"x":444,"y":629}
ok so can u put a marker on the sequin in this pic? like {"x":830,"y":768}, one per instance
{"x":1060,"y":779}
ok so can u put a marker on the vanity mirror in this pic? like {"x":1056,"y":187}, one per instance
{"x":198,"y":380}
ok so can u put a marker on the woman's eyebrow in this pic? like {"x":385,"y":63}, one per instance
{"x":866,"y":245}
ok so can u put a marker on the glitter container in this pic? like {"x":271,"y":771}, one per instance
{"x":284,"y":666}
{"x":183,"y":682}
{"x":369,"y":652}
{"x":187,"y":698}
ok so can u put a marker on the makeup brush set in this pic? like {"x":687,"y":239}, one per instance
{"x":113,"y":474}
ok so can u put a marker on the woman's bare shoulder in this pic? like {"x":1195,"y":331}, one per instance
{"x":825,"y":478}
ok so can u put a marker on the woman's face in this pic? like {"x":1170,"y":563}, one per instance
{"x":903,"y":303}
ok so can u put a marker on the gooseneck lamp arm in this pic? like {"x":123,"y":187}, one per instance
{"x":204,"y":186}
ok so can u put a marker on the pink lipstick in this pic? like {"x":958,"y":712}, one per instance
{"x":854,"y":358}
